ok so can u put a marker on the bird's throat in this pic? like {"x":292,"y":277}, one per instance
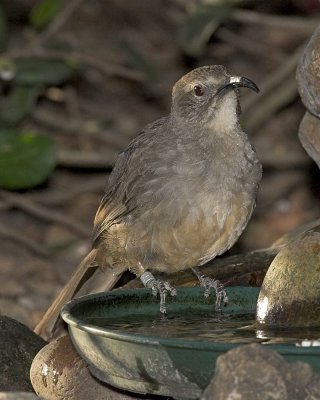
{"x":225,"y":118}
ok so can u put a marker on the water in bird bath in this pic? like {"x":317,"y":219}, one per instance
{"x":202,"y":326}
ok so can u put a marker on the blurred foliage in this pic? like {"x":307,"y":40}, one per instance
{"x":18,"y":104}
{"x":25,"y":79}
{"x":35,"y":71}
{"x":139,"y":62}
{"x":199,"y":26}
{"x":44,"y":12}
{"x":26,"y":159}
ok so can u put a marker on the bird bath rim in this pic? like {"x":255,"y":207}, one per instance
{"x":71,"y":320}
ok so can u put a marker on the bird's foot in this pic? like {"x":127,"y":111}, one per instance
{"x":207,"y":283}
{"x":158,"y":287}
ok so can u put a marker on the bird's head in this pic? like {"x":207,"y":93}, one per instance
{"x":208,"y":93}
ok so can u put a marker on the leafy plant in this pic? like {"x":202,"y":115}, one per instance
{"x":44,"y":12}
{"x":26,"y":159}
{"x":138,"y":61}
{"x":35,"y":71}
{"x":199,"y":26}
{"x":17,"y":104}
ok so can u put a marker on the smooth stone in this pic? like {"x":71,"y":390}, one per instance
{"x":308,"y":74}
{"x":59,"y":373}
{"x":19,"y":345}
{"x":290,"y":292}
{"x":252,"y":372}
{"x":18,"y":396}
{"x":309,"y":135}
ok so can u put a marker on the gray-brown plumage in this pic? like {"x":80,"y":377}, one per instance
{"x":183,"y":190}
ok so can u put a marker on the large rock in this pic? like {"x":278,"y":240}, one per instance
{"x":19,"y":345}
{"x":309,"y":135}
{"x":252,"y":372}
{"x":290,"y":292}
{"x":18,"y":396}
{"x":308,"y":75}
{"x":59,"y":373}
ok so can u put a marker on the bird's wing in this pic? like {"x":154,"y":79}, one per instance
{"x":110,"y":210}
{"x":131,"y":166}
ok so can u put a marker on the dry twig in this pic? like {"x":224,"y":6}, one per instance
{"x":58,"y":22}
{"x":250,"y":45}
{"x":305,"y":25}
{"x":57,"y":123}
{"x":37,"y":48}
{"x":225,"y":268}
{"x":276,"y":91}
{"x":107,"y":69}
{"x":58,"y":197}
{"x":44,"y":213}
{"x":18,"y":238}
{"x":80,"y":159}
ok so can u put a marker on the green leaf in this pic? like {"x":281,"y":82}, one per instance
{"x":26,"y":159}
{"x":139,"y":62}
{"x":34,"y":71}
{"x":18,"y":103}
{"x":199,"y":26}
{"x":44,"y":12}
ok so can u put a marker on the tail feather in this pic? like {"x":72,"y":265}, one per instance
{"x":48,"y":324}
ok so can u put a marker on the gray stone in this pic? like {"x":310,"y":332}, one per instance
{"x":290,"y":292}
{"x":18,"y":396}
{"x":308,"y":73}
{"x":59,"y":373}
{"x":19,"y":345}
{"x":309,"y":135}
{"x":252,"y":372}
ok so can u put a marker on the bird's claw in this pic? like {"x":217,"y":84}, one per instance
{"x":160,"y":287}
{"x":221,"y":294}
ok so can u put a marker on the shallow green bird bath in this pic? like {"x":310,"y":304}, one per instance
{"x":125,"y":356}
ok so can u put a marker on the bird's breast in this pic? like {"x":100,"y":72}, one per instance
{"x":189,"y":207}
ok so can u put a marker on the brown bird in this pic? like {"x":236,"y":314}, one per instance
{"x":179,"y":195}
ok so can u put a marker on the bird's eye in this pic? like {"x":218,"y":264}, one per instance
{"x":198,"y":90}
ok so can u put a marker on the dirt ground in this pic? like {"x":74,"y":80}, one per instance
{"x":130,"y":56}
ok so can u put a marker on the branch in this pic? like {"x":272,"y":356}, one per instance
{"x":224,"y":268}
{"x":44,"y":213}
{"x":80,"y":159}
{"x":307,"y":25}
{"x":58,"y":22}
{"x":276,"y":91}
{"x":17,"y":238}
{"x":250,"y":45}
{"x":58,"y":197}
{"x":56,"y":122}
{"x":107,"y":69}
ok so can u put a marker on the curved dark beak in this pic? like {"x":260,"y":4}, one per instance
{"x":239,"y":81}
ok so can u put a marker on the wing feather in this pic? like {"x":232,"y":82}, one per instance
{"x":122,"y":194}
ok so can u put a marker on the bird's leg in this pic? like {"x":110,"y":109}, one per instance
{"x":158,"y":286}
{"x":207,"y":283}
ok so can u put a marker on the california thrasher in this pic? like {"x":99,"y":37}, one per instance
{"x":179,"y":195}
